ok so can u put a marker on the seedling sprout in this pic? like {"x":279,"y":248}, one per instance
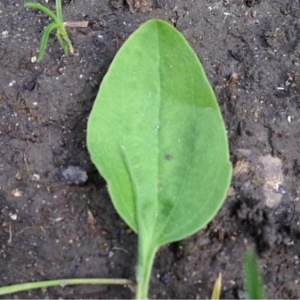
{"x":157,"y":136}
{"x":57,"y":24}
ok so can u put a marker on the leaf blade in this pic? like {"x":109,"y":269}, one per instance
{"x":217,"y":288}
{"x":159,"y":112}
{"x":42,"y":8}
{"x":254,"y":284}
{"x":45,"y":38}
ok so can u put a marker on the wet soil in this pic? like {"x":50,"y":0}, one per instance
{"x":55,"y":225}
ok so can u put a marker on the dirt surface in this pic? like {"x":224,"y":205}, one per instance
{"x":56,"y":218}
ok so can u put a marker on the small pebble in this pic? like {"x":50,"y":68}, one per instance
{"x":35,"y":177}
{"x":73,"y":175}
{"x":17,"y":193}
{"x":18,"y":176}
{"x":12,"y":83}
{"x":164,"y":277}
{"x":204,"y":242}
{"x":14,"y":217}
{"x":4,"y":33}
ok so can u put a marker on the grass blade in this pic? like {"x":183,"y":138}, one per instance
{"x":42,"y":8}
{"x":59,"y":11}
{"x":62,"y":43}
{"x":68,"y":41}
{"x":49,"y":28}
{"x":61,"y":282}
{"x":217,"y":288}
{"x":254,"y":283}
{"x":64,"y":39}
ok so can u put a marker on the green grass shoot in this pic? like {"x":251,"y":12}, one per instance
{"x":57,"y":24}
{"x":254,"y":283}
{"x":217,"y":288}
{"x":28,"y":286}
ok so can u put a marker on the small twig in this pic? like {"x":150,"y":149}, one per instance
{"x":10,"y":233}
{"x":117,"y":40}
{"x":25,"y":159}
{"x":76,"y":24}
{"x":21,"y":231}
{"x":120,"y":249}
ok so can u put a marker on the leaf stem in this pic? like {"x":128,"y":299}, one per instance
{"x":44,"y":42}
{"x":61,"y":282}
{"x":146,"y":255}
{"x":59,"y":11}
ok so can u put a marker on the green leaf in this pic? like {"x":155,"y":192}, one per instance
{"x":58,"y":24}
{"x":59,"y":13}
{"x":42,"y":8}
{"x":62,"y":43}
{"x":157,"y":136}
{"x":254,"y":285}
{"x":45,"y":38}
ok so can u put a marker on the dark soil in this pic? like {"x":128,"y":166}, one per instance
{"x":58,"y":227}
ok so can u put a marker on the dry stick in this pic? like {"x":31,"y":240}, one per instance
{"x":25,"y":159}
{"x":78,"y":24}
{"x":10,"y":234}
